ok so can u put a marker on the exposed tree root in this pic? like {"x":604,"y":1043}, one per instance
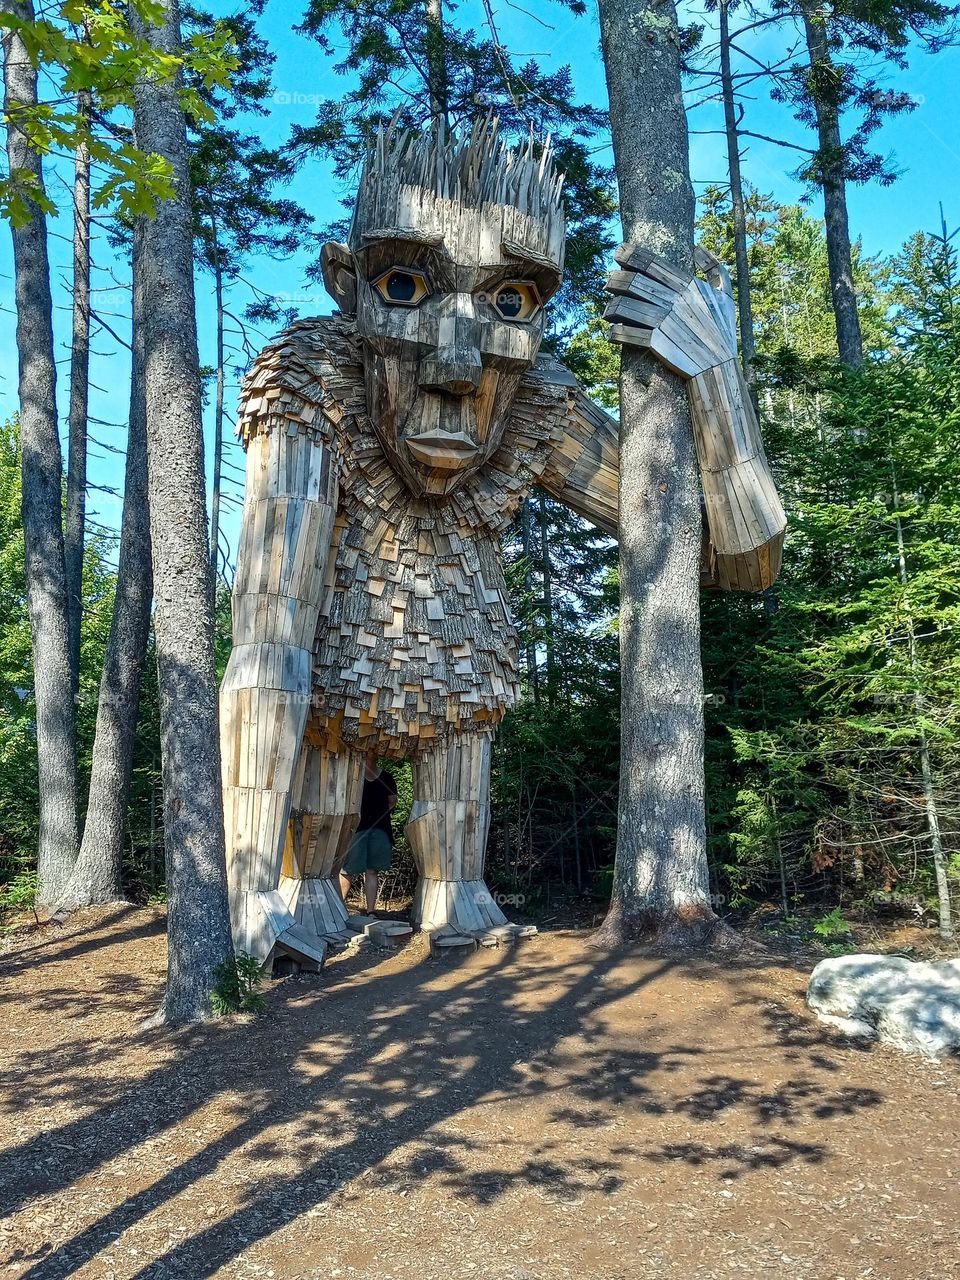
{"x":681,"y":929}
{"x":76,"y":899}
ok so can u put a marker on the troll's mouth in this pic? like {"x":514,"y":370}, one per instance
{"x":444,"y":450}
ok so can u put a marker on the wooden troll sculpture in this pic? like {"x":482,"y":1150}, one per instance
{"x":388,"y":447}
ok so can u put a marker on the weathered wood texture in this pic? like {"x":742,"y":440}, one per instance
{"x":414,"y":638}
{"x":289,"y":512}
{"x":387,"y":449}
{"x":690,"y":325}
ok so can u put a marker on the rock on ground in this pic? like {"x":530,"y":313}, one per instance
{"x":911,"y":1005}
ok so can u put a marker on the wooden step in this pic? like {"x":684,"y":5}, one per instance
{"x":358,"y":923}
{"x":388,"y":934}
{"x":303,"y":946}
{"x":451,"y":947}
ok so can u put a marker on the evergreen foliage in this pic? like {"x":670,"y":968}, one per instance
{"x":400,"y":66}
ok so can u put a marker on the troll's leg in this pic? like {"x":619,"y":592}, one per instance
{"x":325,"y":812}
{"x":447,"y":831}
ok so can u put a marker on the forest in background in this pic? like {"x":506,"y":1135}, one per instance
{"x":832,"y":759}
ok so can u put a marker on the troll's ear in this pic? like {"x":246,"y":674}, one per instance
{"x":340,"y":276}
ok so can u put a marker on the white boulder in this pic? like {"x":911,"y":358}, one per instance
{"x":905,"y":1003}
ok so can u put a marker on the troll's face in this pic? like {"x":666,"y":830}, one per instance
{"x":449,"y":302}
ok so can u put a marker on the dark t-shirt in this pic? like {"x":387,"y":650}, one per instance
{"x":375,"y":803}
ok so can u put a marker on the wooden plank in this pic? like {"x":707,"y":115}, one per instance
{"x":299,"y":943}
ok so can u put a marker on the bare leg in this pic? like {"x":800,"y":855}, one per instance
{"x":371,"y":887}
{"x":447,"y":830}
{"x":344,"y":886}
{"x":326,"y":809}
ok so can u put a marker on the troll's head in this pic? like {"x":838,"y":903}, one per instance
{"x":456,"y":246}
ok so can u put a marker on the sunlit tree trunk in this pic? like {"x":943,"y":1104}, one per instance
{"x":79,"y":395}
{"x":748,"y":348}
{"x":198,"y":927}
{"x":42,"y":488}
{"x":96,"y":876}
{"x":217,"y":419}
{"x":661,"y":883}
{"x":823,"y":88}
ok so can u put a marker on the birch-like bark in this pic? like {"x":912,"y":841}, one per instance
{"x":96,"y":876}
{"x":198,"y":928}
{"x":42,"y":465}
{"x":661,"y":883}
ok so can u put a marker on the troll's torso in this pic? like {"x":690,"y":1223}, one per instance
{"x":415,"y":639}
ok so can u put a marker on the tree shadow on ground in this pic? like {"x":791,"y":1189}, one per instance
{"x":49,"y":948}
{"x":353,"y":1074}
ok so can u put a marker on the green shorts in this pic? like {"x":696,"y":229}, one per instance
{"x":369,"y":851}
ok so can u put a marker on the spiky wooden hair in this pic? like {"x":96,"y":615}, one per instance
{"x":471,"y":169}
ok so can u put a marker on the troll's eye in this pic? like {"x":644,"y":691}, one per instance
{"x":402,"y":288}
{"x":516,"y":300}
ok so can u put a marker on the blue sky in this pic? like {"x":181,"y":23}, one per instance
{"x":923,"y":144}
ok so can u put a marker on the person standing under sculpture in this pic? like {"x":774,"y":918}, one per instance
{"x":371,"y":849}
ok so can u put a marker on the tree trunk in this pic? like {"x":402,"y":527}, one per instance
{"x":546,"y":577}
{"x":926,"y":767}
{"x":198,"y":918}
{"x":530,"y":647}
{"x":436,"y":61}
{"x":748,"y":348}
{"x":661,"y":882}
{"x":96,"y":876}
{"x":42,"y":494}
{"x":823,"y":87}
{"x":79,"y":394}
{"x":217,"y":423}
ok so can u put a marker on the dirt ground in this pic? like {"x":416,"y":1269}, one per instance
{"x":531,"y":1114}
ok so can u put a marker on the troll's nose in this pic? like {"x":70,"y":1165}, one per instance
{"x":455,"y":365}
{"x":457,"y":372}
